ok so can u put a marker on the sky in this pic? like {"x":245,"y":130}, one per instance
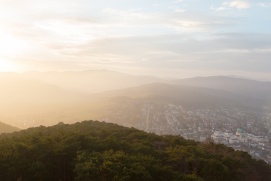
{"x":172,"y":38}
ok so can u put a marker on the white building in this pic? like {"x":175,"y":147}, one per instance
{"x":228,"y":135}
{"x":219,"y":137}
{"x":234,"y":139}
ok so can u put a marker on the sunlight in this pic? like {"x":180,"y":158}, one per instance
{"x":8,"y":66}
{"x":10,"y":45}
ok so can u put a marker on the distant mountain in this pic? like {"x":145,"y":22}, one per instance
{"x":5,"y":128}
{"x":17,"y":89}
{"x":94,"y":150}
{"x":45,"y":98}
{"x":167,"y":109}
{"x":189,"y":95}
{"x":91,"y":81}
{"x":33,"y":99}
{"x":27,"y":102}
{"x":240,"y":86}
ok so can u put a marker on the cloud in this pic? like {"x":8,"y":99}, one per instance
{"x":72,"y":23}
{"x":178,"y":1}
{"x":264,"y":5}
{"x":228,"y":52}
{"x":180,"y":10}
{"x":180,"y":21}
{"x":172,"y":36}
{"x":224,"y":52}
{"x":236,"y":4}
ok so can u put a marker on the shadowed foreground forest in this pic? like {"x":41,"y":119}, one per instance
{"x":93,"y":150}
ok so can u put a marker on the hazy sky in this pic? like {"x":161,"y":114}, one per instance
{"x":158,"y":37}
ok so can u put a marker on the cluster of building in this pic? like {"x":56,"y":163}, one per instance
{"x":241,"y":130}
{"x":256,"y":146}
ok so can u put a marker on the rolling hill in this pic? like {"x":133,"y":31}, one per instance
{"x":93,"y":150}
{"x":240,"y":86}
{"x":187,"y":95}
{"x":91,"y":81}
{"x":33,"y":99}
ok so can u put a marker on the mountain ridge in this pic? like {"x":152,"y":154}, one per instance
{"x":32,"y":102}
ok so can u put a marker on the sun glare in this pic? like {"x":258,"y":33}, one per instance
{"x":10,"y":46}
{"x":7,"y":66}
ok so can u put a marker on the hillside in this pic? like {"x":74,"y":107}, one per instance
{"x":5,"y":128}
{"x":187,"y":95}
{"x":241,"y":86}
{"x":94,"y":150}
{"x":33,"y":99}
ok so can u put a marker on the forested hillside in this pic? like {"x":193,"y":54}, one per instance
{"x":94,"y":150}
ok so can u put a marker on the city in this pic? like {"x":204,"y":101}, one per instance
{"x":242,"y":130}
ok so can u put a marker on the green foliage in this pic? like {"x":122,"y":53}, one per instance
{"x":111,"y":165}
{"x":93,"y":150}
{"x":213,"y":170}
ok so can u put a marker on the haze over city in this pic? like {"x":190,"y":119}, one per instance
{"x":135,"y":90}
{"x":174,"y":38}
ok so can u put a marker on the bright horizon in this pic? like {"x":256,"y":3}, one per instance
{"x":176,"y":38}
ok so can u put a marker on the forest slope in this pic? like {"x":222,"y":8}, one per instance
{"x":93,"y":150}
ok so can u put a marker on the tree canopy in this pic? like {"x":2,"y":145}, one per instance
{"x":93,"y":150}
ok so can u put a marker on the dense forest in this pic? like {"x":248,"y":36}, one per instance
{"x":93,"y":150}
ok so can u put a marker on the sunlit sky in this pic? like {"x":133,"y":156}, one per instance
{"x":175,"y":38}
